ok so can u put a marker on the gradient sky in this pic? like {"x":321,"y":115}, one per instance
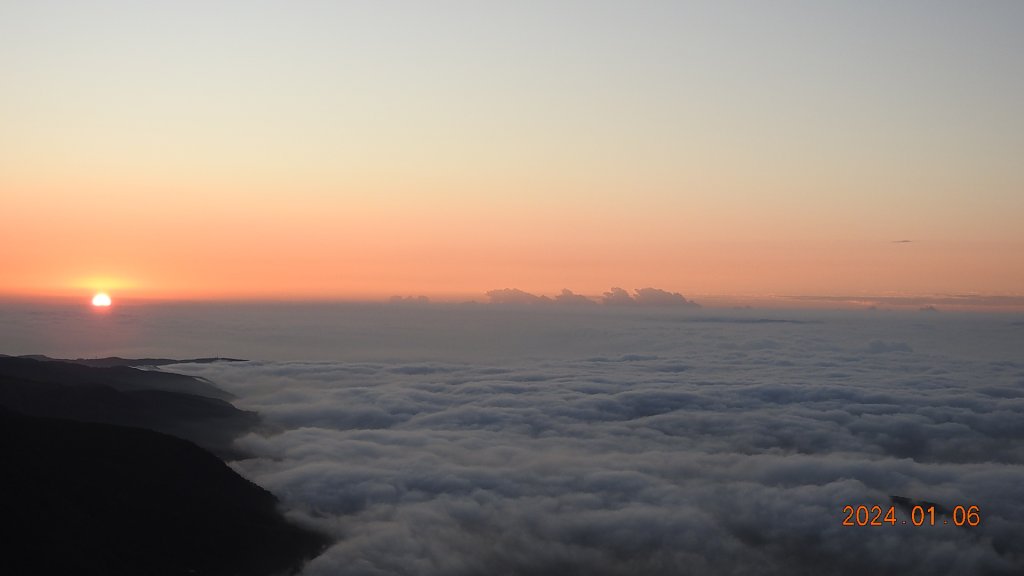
{"x":362,"y":149}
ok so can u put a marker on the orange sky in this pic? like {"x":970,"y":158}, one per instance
{"x":215,"y":248}
{"x":264,"y":152}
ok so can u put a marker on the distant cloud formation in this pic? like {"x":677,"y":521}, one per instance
{"x":617,"y":297}
{"x":656,"y":297}
{"x":614,"y":297}
{"x":646,"y":297}
{"x":568,"y":297}
{"x":516,"y":296}
{"x":666,"y":445}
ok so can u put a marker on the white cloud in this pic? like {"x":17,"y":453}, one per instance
{"x":569,"y":297}
{"x":617,"y":297}
{"x":713,"y":444}
{"x":515,"y":296}
{"x":657,"y":297}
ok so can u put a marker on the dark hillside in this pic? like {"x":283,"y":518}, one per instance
{"x":118,"y":373}
{"x":86,"y":498}
{"x":77,"y":392}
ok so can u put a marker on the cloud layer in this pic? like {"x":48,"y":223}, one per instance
{"x":660,"y":445}
{"x":614,"y":297}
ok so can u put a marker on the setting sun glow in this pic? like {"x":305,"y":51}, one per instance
{"x":101,"y":299}
{"x":529,"y":145}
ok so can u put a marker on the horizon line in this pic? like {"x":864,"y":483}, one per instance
{"x":923,"y":302}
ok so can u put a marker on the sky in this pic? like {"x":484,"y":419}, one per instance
{"x":314,"y":149}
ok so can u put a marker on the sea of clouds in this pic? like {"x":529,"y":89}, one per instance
{"x":474,"y":440}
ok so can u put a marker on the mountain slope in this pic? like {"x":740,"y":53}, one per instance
{"x":87,"y":498}
{"x":148,"y":400}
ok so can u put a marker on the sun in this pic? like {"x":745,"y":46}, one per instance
{"x":101,"y":299}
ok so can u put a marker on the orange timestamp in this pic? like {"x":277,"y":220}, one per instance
{"x":919,"y":516}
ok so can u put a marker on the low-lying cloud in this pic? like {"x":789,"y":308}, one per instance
{"x":712,"y":447}
{"x":614,"y":297}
